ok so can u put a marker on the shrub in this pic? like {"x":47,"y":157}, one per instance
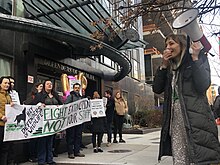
{"x":148,"y":118}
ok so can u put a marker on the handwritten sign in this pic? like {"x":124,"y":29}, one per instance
{"x":31,"y":121}
{"x":97,"y":108}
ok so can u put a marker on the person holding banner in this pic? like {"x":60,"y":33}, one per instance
{"x":45,"y":144}
{"x":4,"y":99}
{"x":74,"y":134}
{"x":97,"y":129}
{"x":121,"y":108}
{"x":189,"y":133}
{"x":37,"y":88}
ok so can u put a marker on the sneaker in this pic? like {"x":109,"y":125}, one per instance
{"x":71,"y":156}
{"x":79,"y":155}
{"x":32,"y":159}
{"x":52,"y":163}
{"x":115,"y":141}
{"x":95,"y":150}
{"x":121,"y":141}
{"x":100,"y":150}
{"x":108,"y":144}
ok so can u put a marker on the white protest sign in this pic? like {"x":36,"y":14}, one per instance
{"x":97,"y":108}
{"x":31,"y":121}
{"x":15,"y":97}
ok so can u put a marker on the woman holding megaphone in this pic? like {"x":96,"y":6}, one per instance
{"x":189,"y":132}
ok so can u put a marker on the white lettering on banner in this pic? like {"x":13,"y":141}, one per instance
{"x":31,"y":121}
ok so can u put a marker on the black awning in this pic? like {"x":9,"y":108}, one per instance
{"x":76,"y":15}
{"x":79,"y":16}
{"x":69,"y":36}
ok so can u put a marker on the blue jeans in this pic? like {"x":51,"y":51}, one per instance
{"x":45,"y":145}
{"x":73,"y":139}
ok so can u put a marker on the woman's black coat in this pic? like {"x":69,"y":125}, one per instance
{"x":194,"y":80}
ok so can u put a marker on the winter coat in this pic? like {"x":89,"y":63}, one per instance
{"x":41,"y":97}
{"x":4,"y":99}
{"x":202,"y":134}
{"x":121,"y":106}
{"x":98,"y":125}
{"x":73,"y":97}
{"x":110,"y":107}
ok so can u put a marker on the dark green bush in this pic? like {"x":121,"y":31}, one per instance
{"x":148,"y":118}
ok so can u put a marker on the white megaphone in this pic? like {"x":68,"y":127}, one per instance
{"x":187,"y":21}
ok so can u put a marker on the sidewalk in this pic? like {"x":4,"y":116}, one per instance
{"x":138,"y":150}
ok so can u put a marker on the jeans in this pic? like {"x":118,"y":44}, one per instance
{"x":109,"y":131}
{"x":118,"y":124}
{"x":45,"y":145}
{"x":99,"y":139}
{"x":73,"y":139}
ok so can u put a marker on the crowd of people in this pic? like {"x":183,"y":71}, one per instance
{"x":189,"y":133}
{"x":43,"y":149}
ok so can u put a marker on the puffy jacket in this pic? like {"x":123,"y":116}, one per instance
{"x":4,"y":99}
{"x":202,"y":134}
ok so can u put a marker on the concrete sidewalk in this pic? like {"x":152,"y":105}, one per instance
{"x":138,"y":150}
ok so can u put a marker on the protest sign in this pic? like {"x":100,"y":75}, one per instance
{"x":97,"y":108}
{"x":31,"y":121}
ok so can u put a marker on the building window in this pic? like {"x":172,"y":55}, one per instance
{"x":125,"y":95}
{"x":5,"y":66}
{"x":135,"y":69}
{"x":107,"y":61}
{"x":135,"y":63}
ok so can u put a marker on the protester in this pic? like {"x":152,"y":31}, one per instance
{"x":13,"y":93}
{"x":189,"y":132}
{"x":37,"y":88}
{"x":48,"y":96}
{"x":216,"y":105}
{"x":110,"y":107}
{"x":121,"y":108}
{"x":97,"y":129}
{"x":82,"y":146}
{"x":4,"y":99}
{"x":15,"y":99}
{"x":74,"y":134}
{"x":32,"y":146}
